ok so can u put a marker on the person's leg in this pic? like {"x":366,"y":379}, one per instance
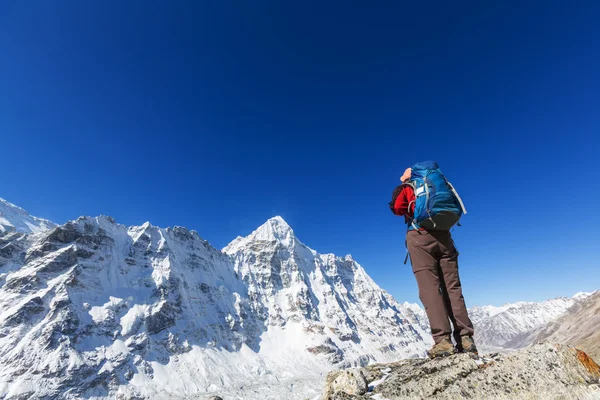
{"x":421,"y":247}
{"x":449,"y":266}
{"x":448,"y":304}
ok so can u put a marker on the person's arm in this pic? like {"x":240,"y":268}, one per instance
{"x":403,"y":200}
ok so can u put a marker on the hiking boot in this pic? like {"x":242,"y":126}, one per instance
{"x":441,"y":349}
{"x":468,"y":345}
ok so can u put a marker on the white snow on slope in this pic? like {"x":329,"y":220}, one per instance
{"x":334,"y":294}
{"x":95,"y":309}
{"x":497,"y":327}
{"x":14,"y":218}
{"x":582,"y":295}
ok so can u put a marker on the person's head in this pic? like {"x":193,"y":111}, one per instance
{"x":406,"y":175}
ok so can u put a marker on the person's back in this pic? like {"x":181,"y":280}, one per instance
{"x":434,"y":260}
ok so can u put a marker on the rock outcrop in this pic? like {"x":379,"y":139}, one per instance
{"x":350,"y":381}
{"x":543,"y":371}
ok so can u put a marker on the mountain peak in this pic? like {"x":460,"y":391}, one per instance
{"x":275,"y":229}
{"x":582,"y":295}
{"x":14,"y":218}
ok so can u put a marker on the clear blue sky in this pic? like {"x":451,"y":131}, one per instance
{"x":217,"y":115}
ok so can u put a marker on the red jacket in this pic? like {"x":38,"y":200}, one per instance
{"x":405,"y":199}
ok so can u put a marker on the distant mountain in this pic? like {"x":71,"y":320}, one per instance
{"x":506,"y":326}
{"x":498,"y":327}
{"x":579,"y":326}
{"x":13,"y":218}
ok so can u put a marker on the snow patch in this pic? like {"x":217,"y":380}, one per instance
{"x":131,"y":321}
{"x":379,"y":396}
{"x":376,"y":383}
{"x":101,"y":313}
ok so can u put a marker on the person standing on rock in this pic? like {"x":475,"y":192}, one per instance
{"x":431,"y":206}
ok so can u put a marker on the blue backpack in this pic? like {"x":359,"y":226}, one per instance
{"x":438,"y":206}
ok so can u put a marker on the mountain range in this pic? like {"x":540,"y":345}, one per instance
{"x":95,"y":309}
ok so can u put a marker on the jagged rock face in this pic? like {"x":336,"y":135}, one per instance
{"x":95,"y":309}
{"x":356,"y":321}
{"x":547,"y":371}
{"x":88,"y":305}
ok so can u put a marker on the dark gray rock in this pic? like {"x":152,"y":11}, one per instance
{"x":22,"y":284}
{"x":63,"y":261}
{"x":161,"y":319}
{"x":33,"y":306}
{"x":67,"y":233}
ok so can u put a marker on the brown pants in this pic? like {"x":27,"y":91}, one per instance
{"x":435,"y":265}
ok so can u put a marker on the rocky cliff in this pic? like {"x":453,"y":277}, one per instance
{"x":544,"y":371}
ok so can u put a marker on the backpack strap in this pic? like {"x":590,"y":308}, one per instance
{"x":462,"y":205}
{"x":411,"y":203}
{"x":409,"y":221}
{"x":426,"y":184}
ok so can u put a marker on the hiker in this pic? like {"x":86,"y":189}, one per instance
{"x":431,"y":206}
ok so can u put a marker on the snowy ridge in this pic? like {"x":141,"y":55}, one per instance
{"x":583,"y":295}
{"x":93,"y":309}
{"x":14,"y":218}
{"x":585,"y":315}
{"x":419,"y":315}
{"x":499,"y":327}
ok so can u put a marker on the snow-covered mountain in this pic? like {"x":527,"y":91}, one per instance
{"x":13,"y":218}
{"x":352,"y":318}
{"x":501,"y":327}
{"x":93,"y":308}
{"x":577,"y":327}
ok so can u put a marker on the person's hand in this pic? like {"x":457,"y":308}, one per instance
{"x":406,"y":175}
